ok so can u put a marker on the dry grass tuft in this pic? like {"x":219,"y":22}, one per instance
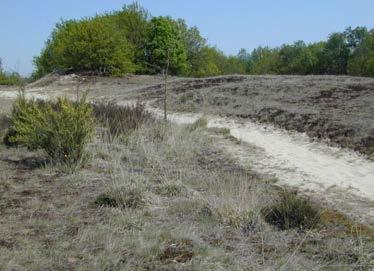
{"x":121,"y":119}
{"x":123,"y":197}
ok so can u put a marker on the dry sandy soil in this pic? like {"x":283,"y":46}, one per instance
{"x":201,"y":207}
{"x":337,"y":108}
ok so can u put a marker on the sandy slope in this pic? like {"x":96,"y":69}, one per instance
{"x":340,"y":177}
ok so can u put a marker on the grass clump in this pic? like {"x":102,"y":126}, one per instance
{"x":121,"y":119}
{"x":291,"y":211}
{"x":200,"y":123}
{"x":220,"y":131}
{"x":179,"y":251}
{"x":122,"y":197}
{"x":169,"y":190}
{"x":61,"y":129}
{"x":234,"y":218}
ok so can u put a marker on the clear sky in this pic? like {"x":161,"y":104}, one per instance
{"x":230,"y":25}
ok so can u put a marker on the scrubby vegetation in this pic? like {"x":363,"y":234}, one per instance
{"x":61,"y":129}
{"x":163,"y":199}
{"x":132,"y":41}
{"x":121,"y":119}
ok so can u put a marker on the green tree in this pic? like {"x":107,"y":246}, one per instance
{"x":88,"y":45}
{"x":245,"y":59}
{"x":132,"y":22}
{"x":264,"y":60}
{"x":211,"y":62}
{"x":336,"y":54}
{"x":355,"y":36}
{"x":362,"y":59}
{"x":165,"y":46}
{"x":194,"y":44}
{"x":317,"y":54}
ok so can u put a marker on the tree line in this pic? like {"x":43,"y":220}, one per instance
{"x":350,"y":52}
{"x":132,"y":41}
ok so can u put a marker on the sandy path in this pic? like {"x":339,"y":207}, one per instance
{"x":340,"y":177}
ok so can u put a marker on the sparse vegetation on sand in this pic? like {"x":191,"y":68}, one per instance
{"x":162,"y":197}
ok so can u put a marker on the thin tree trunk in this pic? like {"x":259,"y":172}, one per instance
{"x":166,"y":72}
{"x":165,"y":95}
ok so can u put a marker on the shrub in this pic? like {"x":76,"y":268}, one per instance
{"x":121,"y":119}
{"x":61,"y":129}
{"x":291,"y":211}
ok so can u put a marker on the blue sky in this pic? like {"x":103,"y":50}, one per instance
{"x":230,"y":25}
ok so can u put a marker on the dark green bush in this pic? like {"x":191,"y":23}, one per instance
{"x":121,"y":119}
{"x":61,"y":129}
{"x":291,"y":211}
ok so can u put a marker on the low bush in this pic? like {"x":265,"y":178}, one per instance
{"x":61,"y":129}
{"x":121,"y":119}
{"x":291,"y":211}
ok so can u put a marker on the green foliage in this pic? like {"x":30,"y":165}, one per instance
{"x":10,"y":78}
{"x":362,"y":60}
{"x":87,"y":45}
{"x":131,"y":41}
{"x":62,"y":129}
{"x":165,"y":47}
{"x":291,"y":211}
{"x":336,"y":54}
{"x":194,"y":44}
{"x":210,"y":62}
{"x":264,"y":60}
{"x":296,"y":59}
